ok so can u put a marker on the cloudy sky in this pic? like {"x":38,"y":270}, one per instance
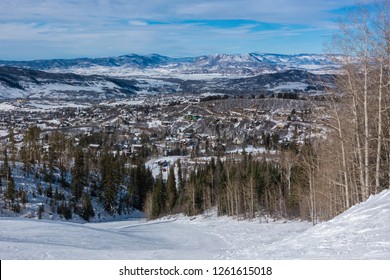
{"x":41,"y":29}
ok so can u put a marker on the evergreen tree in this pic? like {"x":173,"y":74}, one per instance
{"x":158,"y":198}
{"x":5,"y":167}
{"x":87,"y":211}
{"x":39,"y":188}
{"x":49,"y":191}
{"x":108,"y":186}
{"x":56,"y":194}
{"x":180,"y":182}
{"x":64,"y":210}
{"x":12,"y":144}
{"x":140,"y":184}
{"x":25,"y":160}
{"x":79,"y":176}
{"x":41,"y":209}
{"x":10,"y":189}
{"x":171,"y":190}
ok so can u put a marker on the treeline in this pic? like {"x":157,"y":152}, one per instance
{"x":75,"y":174}
{"x":241,"y":186}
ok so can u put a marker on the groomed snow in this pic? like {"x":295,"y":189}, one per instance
{"x":362,"y":232}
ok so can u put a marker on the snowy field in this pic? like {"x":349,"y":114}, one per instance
{"x":362,"y":232}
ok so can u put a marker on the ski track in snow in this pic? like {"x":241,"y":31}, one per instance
{"x":362,"y":232}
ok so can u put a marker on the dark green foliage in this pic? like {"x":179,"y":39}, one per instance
{"x":241,"y":188}
{"x":41,"y":209}
{"x":39,"y":189}
{"x":10,"y":190}
{"x":180,"y":182}
{"x":171,"y":190}
{"x":158,"y":198}
{"x":112,"y":174}
{"x":49,"y":191}
{"x":65,"y":210}
{"x":5,"y":167}
{"x":87,"y":211}
{"x":32,"y":150}
{"x":79,"y":176}
{"x":12,"y":143}
{"x":140,"y":184}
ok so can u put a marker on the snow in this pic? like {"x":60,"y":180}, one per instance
{"x":290,"y":86}
{"x":41,"y":105}
{"x":162,"y":164}
{"x":154,"y":124}
{"x":7,"y":107}
{"x":362,"y":232}
{"x":130,"y":102}
{"x":249,"y":149}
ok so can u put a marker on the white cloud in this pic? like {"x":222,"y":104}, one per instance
{"x":112,"y":27}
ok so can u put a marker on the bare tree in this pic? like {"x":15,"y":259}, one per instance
{"x":361,"y":113}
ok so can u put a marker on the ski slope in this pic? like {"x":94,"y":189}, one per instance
{"x":362,"y":232}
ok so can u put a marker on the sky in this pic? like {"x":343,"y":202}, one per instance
{"x":47,"y":29}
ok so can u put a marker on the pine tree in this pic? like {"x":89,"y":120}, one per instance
{"x":79,"y":176}
{"x":180,"y":182}
{"x":12,"y":143}
{"x":39,"y":188}
{"x":64,"y":210}
{"x":158,"y":198}
{"x":41,"y":209}
{"x":10,"y":189}
{"x":171,"y":190}
{"x":5,"y":167}
{"x":49,"y":191}
{"x":87,"y":211}
{"x":140,"y":184}
{"x":108,"y":186}
{"x":25,"y":160}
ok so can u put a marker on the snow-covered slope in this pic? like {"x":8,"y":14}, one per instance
{"x":36,"y":84}
{"x":123,"y":76}
{"x":362,"y":232}
{"x":309,"y":62}
{"x":154,"y":65}
{"x":27,"y":83}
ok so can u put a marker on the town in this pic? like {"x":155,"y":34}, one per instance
{"x":173,"y":125}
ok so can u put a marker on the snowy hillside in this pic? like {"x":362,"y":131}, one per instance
{"x":33,"y":84}
{"x":124,"y":76}
{"x":154,"y":65}
{"x":362,"y":232}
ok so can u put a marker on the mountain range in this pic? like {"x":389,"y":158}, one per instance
{"x":119,"y":77}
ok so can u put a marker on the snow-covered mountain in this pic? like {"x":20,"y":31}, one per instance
{"x":34,"y":84}
{"x":222,"y":64}
{"x":119,"y":77}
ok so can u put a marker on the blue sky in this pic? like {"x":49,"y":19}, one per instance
{"x":44,"y":29}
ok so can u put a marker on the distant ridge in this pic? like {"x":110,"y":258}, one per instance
{"x":243,"y":64}
{"x":128,"y":75}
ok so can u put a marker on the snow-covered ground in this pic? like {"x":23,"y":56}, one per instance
{"x":362,"y":232}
